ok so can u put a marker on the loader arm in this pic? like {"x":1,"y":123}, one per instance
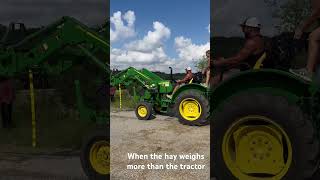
{"x":35,"y":49}
{"x":146,"y":78}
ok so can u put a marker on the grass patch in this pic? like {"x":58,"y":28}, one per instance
{"x":126,"y":101}
{"x":57,"y":126}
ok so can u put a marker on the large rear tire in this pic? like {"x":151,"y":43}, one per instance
{"x":261,"y":135}
{"x":95,"y":156}
{"x":192,"y":108}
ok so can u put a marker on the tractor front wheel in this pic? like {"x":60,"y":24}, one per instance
{"x":95,"y":155}
{"x":192,"y":108}
{"x":262,"y":136}
{"x":143,"y":111}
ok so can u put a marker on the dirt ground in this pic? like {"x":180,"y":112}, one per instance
{"x":20,"y":165}
{"x":160,"y":135}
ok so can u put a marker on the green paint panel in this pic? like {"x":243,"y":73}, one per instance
{"x":270,"y":80}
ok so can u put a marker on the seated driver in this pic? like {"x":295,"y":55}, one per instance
{"x":187,"y":78}
{"x":252,"y":50}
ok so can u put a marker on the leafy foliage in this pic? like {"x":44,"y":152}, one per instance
{"x":202,"y":63}
{"x":290,"y":13}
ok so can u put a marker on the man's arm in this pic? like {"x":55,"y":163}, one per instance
{"x":186,"y":79}
{"x":208,"y":67}
{"x":243,"y":54}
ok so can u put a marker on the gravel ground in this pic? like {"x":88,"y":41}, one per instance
{"x":24,"y":166}
{"x":160,"y":135}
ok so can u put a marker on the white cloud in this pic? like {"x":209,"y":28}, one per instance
{"x":152,"y":40}
{"x":189,"y":51}
{"x":132,"y":57}
{"x":155,"y":60}
{"x":208,"y":28}
{"x":123,"y":26}
{"x":148,"y":52}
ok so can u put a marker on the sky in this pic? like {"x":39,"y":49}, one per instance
{"x":158,"y":34}
{"x":161,"y":34}
{"x":36,"y":13}
{"x":227,"y":14}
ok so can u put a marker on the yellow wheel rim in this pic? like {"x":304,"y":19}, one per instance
{"x":100,"y":157}
{"x":190,"y":109}
{"x":255,"y":147}
{"x":142,"y":111}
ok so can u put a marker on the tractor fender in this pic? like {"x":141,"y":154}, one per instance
{"x":188,"y":87}
{"x":269,"y":80}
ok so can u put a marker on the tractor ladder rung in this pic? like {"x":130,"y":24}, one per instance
{"x":166,"y":100}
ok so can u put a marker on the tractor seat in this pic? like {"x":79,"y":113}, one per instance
{"x":190,"y":82}
{"x":197,"y":78}
{"x":259,"y":62}
{"x":244,"y":66}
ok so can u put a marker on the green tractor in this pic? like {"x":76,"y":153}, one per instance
{"x":265,"y":125}
{"x":22,"y":51}
{"x":189,"y":103}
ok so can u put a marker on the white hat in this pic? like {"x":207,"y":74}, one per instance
{"x":251,"y":22}
{"x":188,"y":69}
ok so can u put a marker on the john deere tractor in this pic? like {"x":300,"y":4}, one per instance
{"x":265,"y":125}
{"x":21,"y":52}
{"x":189,"y":103}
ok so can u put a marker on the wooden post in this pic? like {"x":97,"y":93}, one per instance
{"x":33,"y":111}
{"x":120,"y":94}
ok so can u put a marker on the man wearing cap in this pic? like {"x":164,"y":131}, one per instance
{"x":187,"y":78}
{"x":314,"y":41}
{"x":252,"y":50}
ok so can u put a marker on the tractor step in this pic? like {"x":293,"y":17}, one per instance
{"x":165,"y":104}
{"x":166,"y":101}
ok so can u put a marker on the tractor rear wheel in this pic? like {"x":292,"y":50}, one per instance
{"x":258,"y":136}
{"x":143,"y":111}
{"x":192,"y":108}
{"x":95,"y":155}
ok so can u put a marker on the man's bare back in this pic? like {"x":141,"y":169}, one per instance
{"x":258,"y":44}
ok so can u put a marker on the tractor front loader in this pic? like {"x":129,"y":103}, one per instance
{"x":21,"y":52}
{"x":189,"y":103}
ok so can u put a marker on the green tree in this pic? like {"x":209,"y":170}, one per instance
{"x":290,"y":13}
{"x":201,"y":63}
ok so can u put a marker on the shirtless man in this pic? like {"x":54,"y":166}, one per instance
{"x":206,"y":71}
{"x":314,"y":41}
{"x":253,"y":48}
{"x":187,"y":78}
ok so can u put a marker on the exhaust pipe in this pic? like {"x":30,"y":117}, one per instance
{"x":171,"y":75}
